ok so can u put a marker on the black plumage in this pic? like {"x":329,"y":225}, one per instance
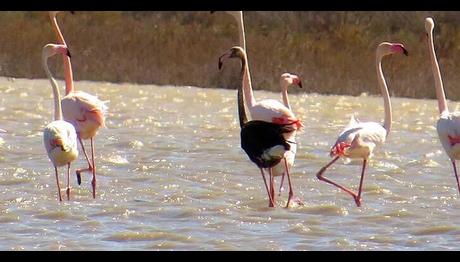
{"x":257,"y":137}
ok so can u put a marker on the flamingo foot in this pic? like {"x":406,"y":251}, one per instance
{"x":357,"y":201}
{"x":93,"y":184}
{"x":78,"y":177}
{"x":68,"y":193}
{"x":79,"y":171}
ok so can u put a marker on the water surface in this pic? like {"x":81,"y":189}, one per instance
{"x":172,"y":176}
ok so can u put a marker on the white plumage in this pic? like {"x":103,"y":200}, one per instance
{"x":59,"y":136}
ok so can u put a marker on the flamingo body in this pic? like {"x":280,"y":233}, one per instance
{"x":448,"y":127}
{"x":86,"y":112}
{"x":60,"y":139}
{"x":360,"y":139}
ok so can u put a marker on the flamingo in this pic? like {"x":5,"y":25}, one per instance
{"x":359,"y":139}
{"x":264,"y":142}
{"x":448,"y":125}
{"x":86,"y":112}
{"x":59,"y":136}
{"x":270,"y":110}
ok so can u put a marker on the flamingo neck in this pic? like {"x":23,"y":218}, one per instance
{"x":442,"y":103}
{"x":284,"y":94}
{"x":66,"y":60}
{"x":242,"y":36}
{"x":241,"y":109}
{"x":247,"y":86}
{"x":56,"y":94}
{"x":385,"y":94}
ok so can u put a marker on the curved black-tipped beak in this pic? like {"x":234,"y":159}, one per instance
{"x":220,"y":64}
{"x":68,"y":53}
{"x":405,"y":52}
{"x":72,"y":12}
{"x":221,"y":60}
{"x":212,"y":12}
{"x":300,"y":84}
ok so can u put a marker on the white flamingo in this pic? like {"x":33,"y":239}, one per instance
{"x":270,"y":110}
{"x":359,"y":139}
{"x":59,"y":137}
{"x":86,"y":112}
{"x":448,"y":125}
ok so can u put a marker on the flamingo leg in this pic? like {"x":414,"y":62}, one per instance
{"x":93,"y":182}
{"x":320,"y":176}
{"x":272,"y":188}
{"x":358,"y":198}
{"x":291,"y":193}
{"x":266,"y":187}
{"x":282,"y":181}
{"x":68,"y":182}
{"x":90,"y":167}
{"x":57,"y":180}
{"x":456,"y":175}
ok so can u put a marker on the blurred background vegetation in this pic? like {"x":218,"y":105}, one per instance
{"x":333,"y":52}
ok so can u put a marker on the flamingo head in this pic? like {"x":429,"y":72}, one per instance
{"x":53,"y":14}
{"x":386,"y":48}
{"x":290,"y":79}
{"x":233,"y":52}
{"x":429,"y":25}
{"x":53,"y":49}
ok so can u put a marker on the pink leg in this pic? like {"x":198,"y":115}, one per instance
{"x":68,"y":182}
{"x":90,"y":168}
{"x":266,"y":187}
{"x":358,"y":198}
{"x":456,"y":176}
{"x":282,"y":181}
{"x":57,"y":180}
{"x":93,"y":182}
{"x":272,"y":188}
{"x":319,"y":175}
{"x":291,"y":193}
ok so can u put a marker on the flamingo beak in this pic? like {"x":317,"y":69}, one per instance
{"x":221,"y":59}
{"x":68,"y":53}
{"x":220,"y":64}
{"x":212,"y":12}
{"x":72,"y":12}
{"x":405,"y":51}
{"x":300,"y":84}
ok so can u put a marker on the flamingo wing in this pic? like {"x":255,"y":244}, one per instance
{"x":448,"y":127}
{"x":80,"y":106}
{"x":270,"y":110}
{"x":359,"y":139}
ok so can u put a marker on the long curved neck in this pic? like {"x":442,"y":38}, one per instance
{"x":442,"y":103}
{"x":66,"y":60}
{"x":284,"y":94}
{"x":385,"y":94}
{"x":241,"y":109}
{"x":54,"y":85}
{"x":247,"y":86}
{"x":242,"y":36}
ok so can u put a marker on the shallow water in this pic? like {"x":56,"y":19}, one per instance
{"x":172,"y":176}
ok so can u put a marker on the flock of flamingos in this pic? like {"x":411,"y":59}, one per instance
{"x":268,"y":127}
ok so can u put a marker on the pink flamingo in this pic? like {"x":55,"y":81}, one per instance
{"x":59,"y":136}
{"x":86,"y":112}
{"x":271,"y":110}
{"x":448,"y":125}
{"x":359,"y":139}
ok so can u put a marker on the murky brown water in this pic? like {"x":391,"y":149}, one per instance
{"x":172,"y":176}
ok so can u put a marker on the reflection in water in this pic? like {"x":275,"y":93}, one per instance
{"x":172,"y":176}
